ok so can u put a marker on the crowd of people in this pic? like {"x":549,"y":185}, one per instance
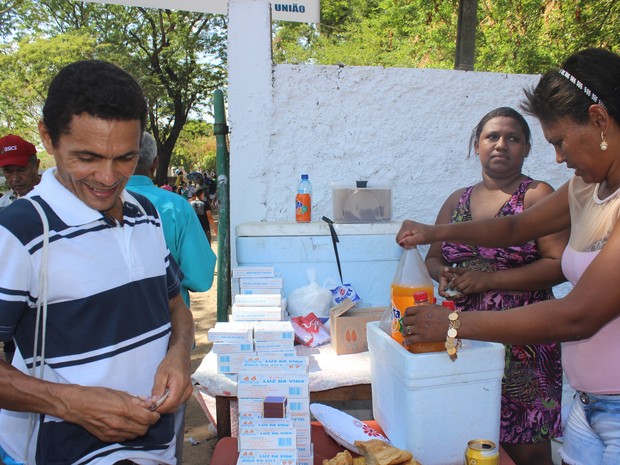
{"x":99,"y":262}
{"x":201,"y":193}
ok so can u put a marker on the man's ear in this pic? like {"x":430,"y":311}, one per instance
{"x":46,"y":138}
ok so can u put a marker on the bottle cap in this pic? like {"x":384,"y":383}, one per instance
{"x":449,"y":304}
{"x":420,"y":296}
{"x":304,"y":176}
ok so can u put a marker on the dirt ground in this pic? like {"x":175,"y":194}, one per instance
{"x":197,"y":426}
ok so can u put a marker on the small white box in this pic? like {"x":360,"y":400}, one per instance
{"x":447,"y":403}
{"x":261,"y":385}
{"x":278,"y":353}
{"x":257,"y":313}
{"x":267,"y":438}
{"x":227,"y":331}
{"x":298,"y":406}
{"x":248,"y":422}
{"x":258,"y":363}
{"x":305,"y":451}
{"x":274,"y":331}
{"x":260,"y":290}
{"x":253,"y":272}
{"x":231,"y":363}
{"x":303,"y":435}
{"x":262,"y":457}
{"x":232,"y":347}
{"x":258,"y":283}
{"x":300,"y":420}
{"x":270,"y":346}
{"x":249,"y":406}
{"x":258,"y":300}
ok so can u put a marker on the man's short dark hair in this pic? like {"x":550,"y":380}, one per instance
{"x":94,"y":87}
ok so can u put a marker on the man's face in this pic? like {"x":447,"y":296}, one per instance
{"x":95,"y":159}
{"x":22,"y":178}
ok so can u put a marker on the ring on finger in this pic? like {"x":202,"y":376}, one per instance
{"x":409,"y":330}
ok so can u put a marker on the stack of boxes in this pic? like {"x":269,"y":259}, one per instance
{"x":274,"y":411}
{"x":272,"y":383}
{"x":257,"y":280}
{"x":232,"y":342}
{"x":274,"y":338}
{"x":260,"y":295}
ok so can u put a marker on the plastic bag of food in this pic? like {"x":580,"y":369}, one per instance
{"x":310,"y":298}
{"x":309,"y":330}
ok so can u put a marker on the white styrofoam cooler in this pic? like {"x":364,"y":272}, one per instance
{"x":368,"y":254}
{"x":430,"y":405}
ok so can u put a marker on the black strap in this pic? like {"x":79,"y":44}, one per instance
{"x":334,"y":240}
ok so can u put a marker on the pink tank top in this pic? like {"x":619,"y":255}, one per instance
{"x":591,"y":365}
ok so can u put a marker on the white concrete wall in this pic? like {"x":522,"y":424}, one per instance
{"x":407,"y":129}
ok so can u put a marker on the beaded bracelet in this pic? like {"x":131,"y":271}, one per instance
{"x":453,"y":343}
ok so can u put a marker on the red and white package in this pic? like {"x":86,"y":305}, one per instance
{"x":309,"y":330}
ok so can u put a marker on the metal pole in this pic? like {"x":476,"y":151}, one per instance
{"x":220,"y":129}
{"x":466,"y":35}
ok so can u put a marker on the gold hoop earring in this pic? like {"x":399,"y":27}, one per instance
{"x":604,"y":144}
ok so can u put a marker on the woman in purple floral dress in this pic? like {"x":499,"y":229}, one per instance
{"x":479,"y":278}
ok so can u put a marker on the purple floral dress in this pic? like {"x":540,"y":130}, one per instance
{"x":532,"y":383}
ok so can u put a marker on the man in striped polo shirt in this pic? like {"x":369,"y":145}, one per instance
{"x":89,"y":291}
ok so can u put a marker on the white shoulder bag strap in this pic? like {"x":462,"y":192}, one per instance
{"x":41,"y":318}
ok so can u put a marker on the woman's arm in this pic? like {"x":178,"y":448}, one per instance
{"x":593,"y":302}
{"x":435,"y":261}
{"x":548,"y":216}
{"x":540,"y":274}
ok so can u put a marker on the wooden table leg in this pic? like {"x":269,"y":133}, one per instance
{"x":222,"y":412}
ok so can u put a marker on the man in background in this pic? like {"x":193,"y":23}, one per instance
{"x":20,"y":167}
{"x":201,"y":205}
{"x":184,"y":238}
{"x":182,"y":230}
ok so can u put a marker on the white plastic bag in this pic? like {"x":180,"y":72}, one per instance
{"x":311,"y":298}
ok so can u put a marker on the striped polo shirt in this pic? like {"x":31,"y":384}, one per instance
{"x":108,"y":320}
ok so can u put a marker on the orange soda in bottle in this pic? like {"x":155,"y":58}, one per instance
{"x":410,"y":277}
{"x":303,"y":200}
{"x":421,"y":298}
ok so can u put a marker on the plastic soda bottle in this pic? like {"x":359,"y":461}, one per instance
{"x":421,"y":298}
{"x":411,"y":276}
{"x":303,"y":200}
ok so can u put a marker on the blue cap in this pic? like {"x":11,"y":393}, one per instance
{"x":304,"y":176}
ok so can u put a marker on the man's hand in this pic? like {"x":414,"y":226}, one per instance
{"x":110,"y":415}
{"x":173,"y":374}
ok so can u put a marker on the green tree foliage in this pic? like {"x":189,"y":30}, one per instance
{"x":177,"y":56}
{"x":516,"y":36}
{"x":27,"y":67}
{"x":196,"y":147}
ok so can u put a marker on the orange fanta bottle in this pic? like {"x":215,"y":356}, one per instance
{"x":421,"y":298}
{"x":411,"y":276}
